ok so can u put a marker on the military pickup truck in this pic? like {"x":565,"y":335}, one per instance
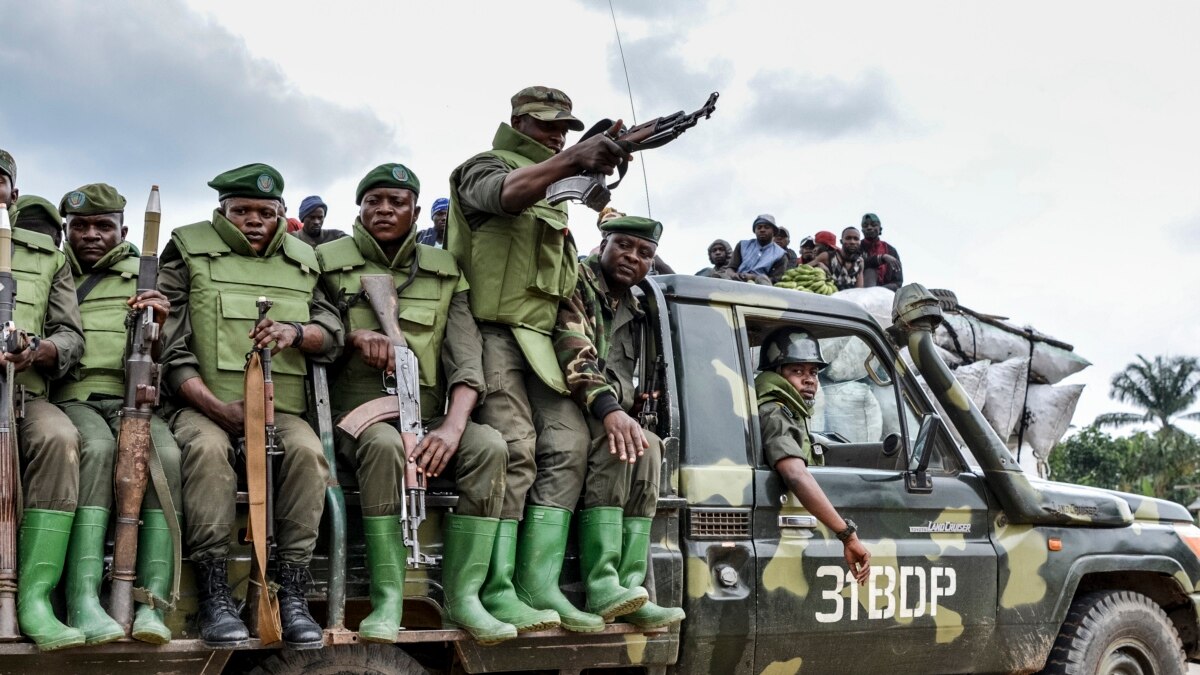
{"x":975,"y":566}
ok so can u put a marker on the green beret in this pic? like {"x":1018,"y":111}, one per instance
{"x":35,"y":209}
{"x":388,"y":175}
{"x":8,"y":165}
{"x":253,"y":181}
{"x":643,"y":228}
{"x":91,"y":200}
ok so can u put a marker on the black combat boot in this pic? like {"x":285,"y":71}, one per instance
{"x":220,"y":627}
{"x":300,"y":631}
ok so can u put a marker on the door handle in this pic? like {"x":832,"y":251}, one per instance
{"x":806,"y":522}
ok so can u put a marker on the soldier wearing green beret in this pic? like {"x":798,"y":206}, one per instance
{"x":8,"y":179}
{"x":212,"y":272}
{"x":520,"y":260}
{"x":49,"y":444}
{"x":33,"y":213}
{"x":105,"y":268}
{"x":435,"y":316}
{"x":597,"y":340}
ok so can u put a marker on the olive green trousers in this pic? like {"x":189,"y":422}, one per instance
{"x":545,"y":431}
{"x":98,"y":423}
{"x":378,"y":459}
{"x":49,"y":447}
{"x":611,"y":482}
{"x":210,"y":486}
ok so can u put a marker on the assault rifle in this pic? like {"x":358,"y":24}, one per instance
{"x":402,"y":404}
{"x":260,"y":449}
{"x":590,"y":188}
{"x":12,"y":342}
{"x":132,"y":472}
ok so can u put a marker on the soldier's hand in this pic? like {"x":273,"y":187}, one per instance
{"x":374,"y":348}
{"x":231,"y":417}
{"x":20,"y":361}
{"x":157,"y":302}
{"x":436,"y":449}
{"x":858,"y":558}
{"x":625,"y":437}
{"x":600,"y":153}
{"x":268,"y":332}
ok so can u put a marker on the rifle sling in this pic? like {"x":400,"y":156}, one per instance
{"x":269,"y":629}
{"x":88,"y":284}
{"x":158,"y":477}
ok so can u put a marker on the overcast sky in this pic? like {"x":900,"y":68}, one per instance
{"x":1038,"y":158}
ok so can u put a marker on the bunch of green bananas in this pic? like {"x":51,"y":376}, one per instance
{"x":807,"y":278}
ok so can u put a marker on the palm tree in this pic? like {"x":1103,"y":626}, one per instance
{"x":1163,"y":388}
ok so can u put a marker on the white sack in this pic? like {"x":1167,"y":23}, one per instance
{"x":876,"y":300}
{"x":850,"y":409}
{"x":974,"y":379}
{"x":846,"y":356}
{"x":1006,"y":395}
{"x":979,"y":340}
{"x":1050,"y":412}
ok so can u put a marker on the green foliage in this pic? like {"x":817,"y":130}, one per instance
{"x":1162,"y":388}
{"x":1153,"y":465}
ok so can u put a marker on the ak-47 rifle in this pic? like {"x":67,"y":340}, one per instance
{"x":590,"y":188}
{"x":260,"y":448}
{"x":402,"y":404}
{"x":12,"y":341}
{"x":132,"y":471}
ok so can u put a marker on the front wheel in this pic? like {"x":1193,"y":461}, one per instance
{"x":1116,"y":633}
{"x":360,"y":658}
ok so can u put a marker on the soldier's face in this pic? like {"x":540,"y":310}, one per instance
{"x":314,"y":220}
{"x":872,"y":229}
{"x":256,"y":219}
{"x":850,"y":240}
{"x":90,"y":237}
{"x":626,"y":259}
{"x":8,"y":193}
{"x":718,"y":255}
{"x":388,"y":213}
{"x":551,"y":134}
{"x":802,"y":376}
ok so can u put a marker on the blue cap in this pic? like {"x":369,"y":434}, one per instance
{"x":440,"y":204}
{"x":310,"y":203}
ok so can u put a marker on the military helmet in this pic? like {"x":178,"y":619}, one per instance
{"x":789,"y":345}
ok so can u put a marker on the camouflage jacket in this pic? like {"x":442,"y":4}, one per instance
{"x":596,"y":342}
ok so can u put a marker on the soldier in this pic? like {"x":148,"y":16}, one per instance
{"x":212,"y":272}
{"x":436,"y":319}
{"x":786,"y":387}
{"x":8,"y":179}
{"x":520,"y":260}
{"x":597,"y":340}
{"x":105,"y":268}
{"x":30,"y":212}
{"x":49,"y":443}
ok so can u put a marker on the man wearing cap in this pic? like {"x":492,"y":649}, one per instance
{"x":435,"y":315}
{"x":520,"y":260}
{"x":212,"y":272}
{"x":784,"y":239}
{"x":436,"y":235}
{"x":105,"y":269}
{"x":49,"y":444}
{"x":808,"y":250}
{"x":760,"y":260}
{"x":33,"y":213}
{"x":312,"y":214}
{"x":718,"y":258}
{"x":598,"y":341}
{"x":881,"y":258}
{"x":786,"y":387}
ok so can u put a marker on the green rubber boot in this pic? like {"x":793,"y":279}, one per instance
{"x":155,"y":564}
{"x":469,"y":543}
{"x":84,"y":574}
{"x":599,"y":554}
{"x":635,"y":545}
{"x":540,"y":553}
{"x":42,"y":547}
{"x":386,"y":557}
{"x":498,"y":595}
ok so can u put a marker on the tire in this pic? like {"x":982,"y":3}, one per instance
{"x":356,"y":659}
{"x":946,"y":298}
{"x":1116,"y":633}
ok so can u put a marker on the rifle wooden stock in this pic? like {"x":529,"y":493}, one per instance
{"x":381,"y":293}
{"x":262,"y":604}
{"x":131,"y":471}
{"x":9,"y":487}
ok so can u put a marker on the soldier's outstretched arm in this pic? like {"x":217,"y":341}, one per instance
{"x":526,"y":186}
{"x":800,"y":481}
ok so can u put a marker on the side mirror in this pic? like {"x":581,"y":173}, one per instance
{"x":917,"y":477}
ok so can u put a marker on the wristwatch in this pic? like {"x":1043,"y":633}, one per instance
{"x":845,"y":534}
